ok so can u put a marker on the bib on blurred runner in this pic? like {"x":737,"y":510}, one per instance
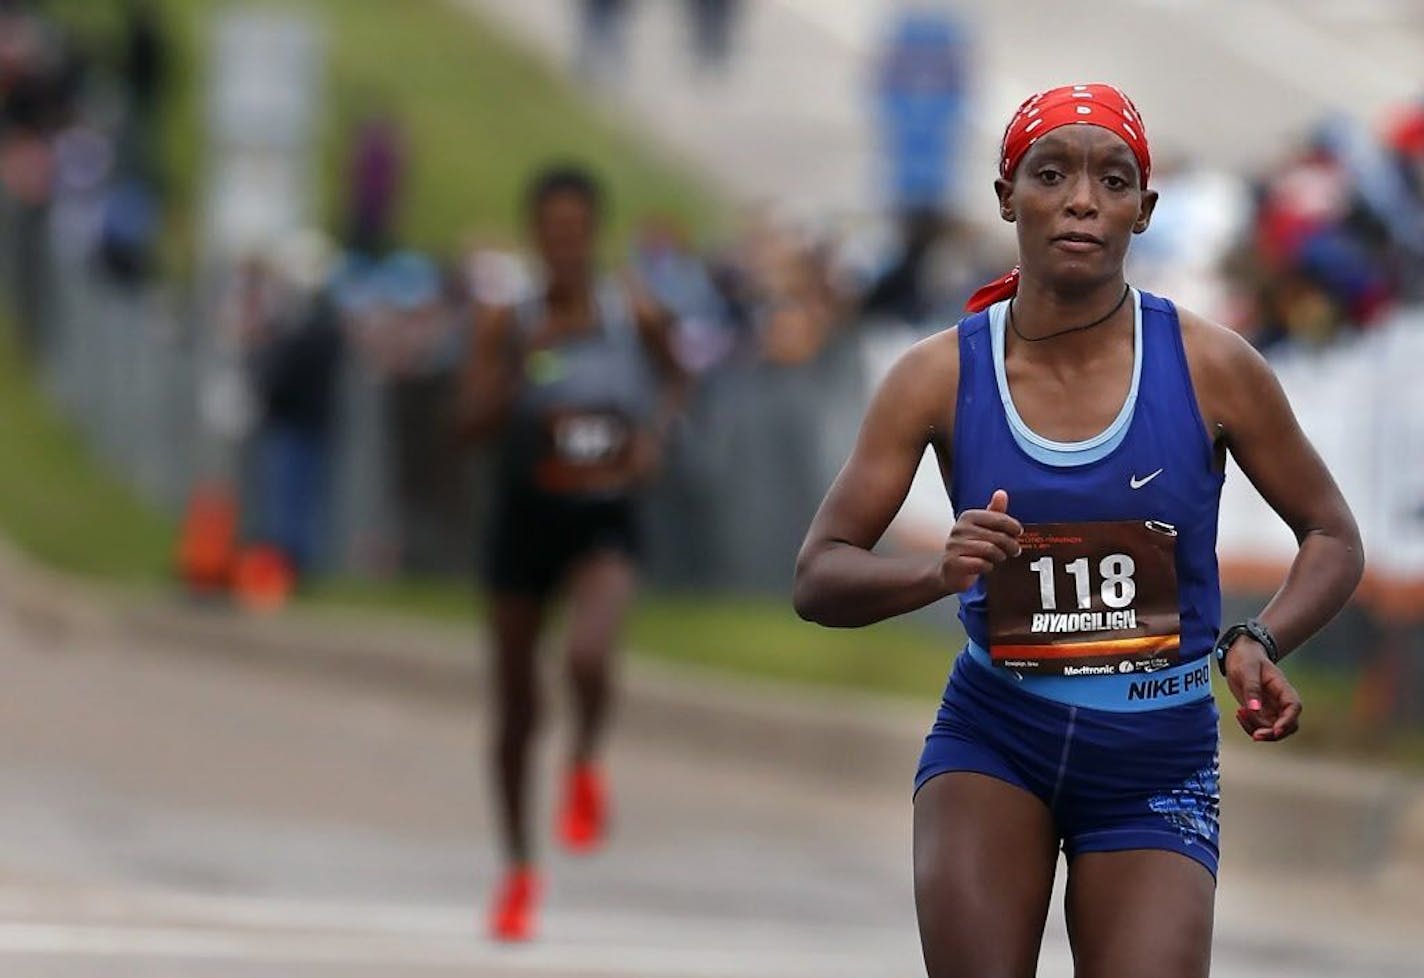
{"x":586,"y":451}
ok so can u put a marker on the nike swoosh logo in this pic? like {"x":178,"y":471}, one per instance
{"x":1137,"y":483}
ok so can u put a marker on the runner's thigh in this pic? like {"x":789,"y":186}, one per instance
{"x":1140,"y":912}
{"x":985,"y":853}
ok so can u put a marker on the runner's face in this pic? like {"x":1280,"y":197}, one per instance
{"x":1076,"y":201}
{"x":565,"y":231}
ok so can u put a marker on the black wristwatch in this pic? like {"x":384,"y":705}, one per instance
{"x":1257,"y":630}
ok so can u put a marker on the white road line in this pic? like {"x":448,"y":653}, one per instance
{"x":631,"y":959}
{"x":119,"y":908}
{"x":209,"y":927}
{"x":137,"y":925}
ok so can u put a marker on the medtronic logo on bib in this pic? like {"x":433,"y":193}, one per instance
{"x":1088,"y":670}
{"x":1087,"y":599}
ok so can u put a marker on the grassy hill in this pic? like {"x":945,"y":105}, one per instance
{"x":478,"y":113}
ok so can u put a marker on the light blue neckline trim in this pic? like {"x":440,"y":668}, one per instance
{"x":1065,"y":453}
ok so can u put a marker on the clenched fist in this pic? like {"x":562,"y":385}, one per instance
{"x":980,"y":540}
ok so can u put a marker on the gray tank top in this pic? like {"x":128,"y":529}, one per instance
{"x":581,"y":401}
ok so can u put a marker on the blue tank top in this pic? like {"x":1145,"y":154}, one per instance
{"x":1153,"y":462}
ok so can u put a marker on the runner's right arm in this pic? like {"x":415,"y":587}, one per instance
{"x":489,"y":380}
{"x":840,"y":581}
{"x":655,"y":324}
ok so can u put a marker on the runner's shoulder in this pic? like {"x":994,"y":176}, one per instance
{"x":1220,"y":359}
{"x":932,"y":361}
{"x":919,"y":389}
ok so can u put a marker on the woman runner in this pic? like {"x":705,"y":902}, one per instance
{"x":1082,"y":428}
{"x":579,"y":381}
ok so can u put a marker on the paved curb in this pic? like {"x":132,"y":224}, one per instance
{"x":1279,"y":809}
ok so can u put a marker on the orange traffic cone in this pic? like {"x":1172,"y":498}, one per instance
{"x":207,"y":541}
{"x":264,"y":579}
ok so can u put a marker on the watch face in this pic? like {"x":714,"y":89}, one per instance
{"x":1223,"y":645}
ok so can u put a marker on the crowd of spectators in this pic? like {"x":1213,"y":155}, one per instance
{"x":1335,"y":238}
{"x":80,"y":168}
{"x":1317,"y":247}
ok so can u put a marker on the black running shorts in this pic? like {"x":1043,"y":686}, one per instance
{"x":534,"y":538}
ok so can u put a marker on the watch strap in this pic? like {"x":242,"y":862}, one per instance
{"x":1259,"y":633}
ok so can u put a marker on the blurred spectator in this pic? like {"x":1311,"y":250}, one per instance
{"x":375,"y":178}
{"x":1404,"y":137}
{"x":802,"y":307}
{"x":26,"y":166}
{"x":602,"y":26}
{"x":491,"y":274}
{"x":928,"y":272}
{"x":1198,"y":218}
{"x":899,"y":292}
{"x":295,"y":362}
{"x":401,"y":318}
{"x":681,"y":282}
{"x":713,"y":22}
{"x":145,"y":61}
{"x":40,"y":72}
{"x":782,"y":281}
{"x":417,"y":352}
{"x":1317,"y":249}
{"x":250,"y":305}
{"x":921,"y":94}
{"x":39,"y":78}
{"x":1403,"y":145}
{"x":83,"y":164}
{"x":403,"y":326}
{"x":128,"y":230}
{"x":1381,"y":189}
{"x":247,"y":312}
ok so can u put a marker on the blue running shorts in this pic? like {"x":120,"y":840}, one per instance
{"x":1112,"y":781}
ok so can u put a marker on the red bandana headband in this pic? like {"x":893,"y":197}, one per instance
{"x":1092,"y":105}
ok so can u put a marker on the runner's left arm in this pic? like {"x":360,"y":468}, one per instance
{"x":1259,"y":429}
{"x":489,"y":378}
{"x":655,"y":324}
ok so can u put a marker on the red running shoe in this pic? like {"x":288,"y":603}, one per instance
{"x":515,"y":905}
{"x":583,"y":822}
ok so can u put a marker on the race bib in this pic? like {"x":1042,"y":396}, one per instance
{"x":1087,"y":599}
{"x":585,"y":451}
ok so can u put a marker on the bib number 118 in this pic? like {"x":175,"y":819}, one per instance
{"x":1117,"y":588}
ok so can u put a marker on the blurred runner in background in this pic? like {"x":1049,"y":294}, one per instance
{"x":580,"y":382}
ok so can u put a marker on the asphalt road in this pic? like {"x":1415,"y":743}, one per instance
{"x":168,"y":812}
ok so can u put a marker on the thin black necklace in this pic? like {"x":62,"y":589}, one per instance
{"x":1076,"y":329}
